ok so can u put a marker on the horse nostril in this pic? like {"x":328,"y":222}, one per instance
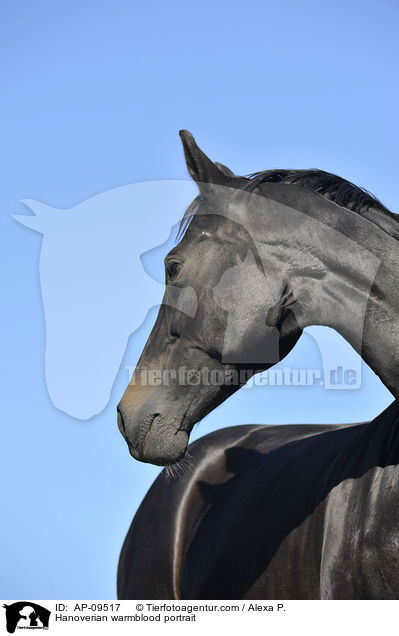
{"x":121,"y":424}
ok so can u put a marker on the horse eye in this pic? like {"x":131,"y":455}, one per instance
{"x":172,"y":270}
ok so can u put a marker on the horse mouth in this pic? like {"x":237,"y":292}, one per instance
{"x":157,"y":441}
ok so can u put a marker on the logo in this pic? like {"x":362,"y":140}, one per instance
{"x":26,"y":615}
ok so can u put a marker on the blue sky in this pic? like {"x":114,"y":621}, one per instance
{"x":93,"y":96}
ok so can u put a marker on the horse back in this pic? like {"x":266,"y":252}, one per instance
{"x":212,"y":526}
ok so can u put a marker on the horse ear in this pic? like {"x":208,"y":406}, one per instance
{"x":44,"y":215}
{"x":225,"y":169}
{"x":200,"y":167}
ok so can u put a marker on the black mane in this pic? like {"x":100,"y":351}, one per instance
{"x":337,"y":189}
{"x":328,"y":185}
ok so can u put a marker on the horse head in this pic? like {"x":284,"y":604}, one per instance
{"x":242,"y":325}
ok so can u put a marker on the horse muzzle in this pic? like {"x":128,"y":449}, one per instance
{"x":153,"y":435}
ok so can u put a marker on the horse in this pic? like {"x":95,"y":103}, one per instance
{"x":299,"y":511}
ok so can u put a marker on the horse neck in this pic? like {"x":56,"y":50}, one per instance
{"x":342,"y":273}
{"x":364,"y":312}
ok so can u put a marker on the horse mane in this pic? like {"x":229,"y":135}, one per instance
{"x":334,"y":188}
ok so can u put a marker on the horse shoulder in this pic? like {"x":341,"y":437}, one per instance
{"x":361,"y":541}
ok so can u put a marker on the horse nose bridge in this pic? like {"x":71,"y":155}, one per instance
{"x":134,"y":395}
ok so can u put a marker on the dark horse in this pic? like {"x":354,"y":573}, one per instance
{"x":304,"y":511}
